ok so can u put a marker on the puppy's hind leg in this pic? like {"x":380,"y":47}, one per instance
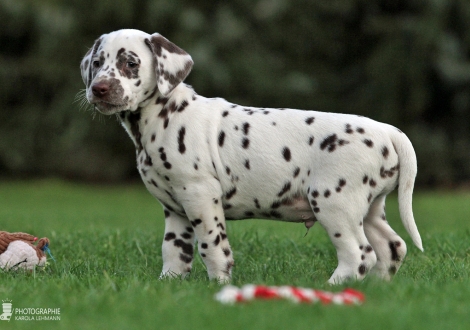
{"x":344,"y":225}
{"x":390,"y":248}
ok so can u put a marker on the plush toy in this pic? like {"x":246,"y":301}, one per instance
{"x":18,"y":251}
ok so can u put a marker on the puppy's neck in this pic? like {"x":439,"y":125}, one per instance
{"x":156,"y":111}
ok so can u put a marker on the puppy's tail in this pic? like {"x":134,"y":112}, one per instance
{"x":407,"y":173}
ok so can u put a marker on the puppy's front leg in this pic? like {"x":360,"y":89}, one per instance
{"x":203,"y":206}
{"x":178,"y":245}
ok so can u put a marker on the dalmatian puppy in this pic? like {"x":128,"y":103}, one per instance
{"x":207,"y":161}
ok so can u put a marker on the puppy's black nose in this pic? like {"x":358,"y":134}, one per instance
{"x":100,"y":89}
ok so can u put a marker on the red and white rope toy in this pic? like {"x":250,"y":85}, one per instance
{"x":232,"y":294}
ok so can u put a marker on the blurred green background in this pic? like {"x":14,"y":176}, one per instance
{"x":404,"y":62}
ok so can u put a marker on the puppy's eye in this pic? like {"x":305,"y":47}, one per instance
{"x":131,"y":64}
{"x":96,"y":64}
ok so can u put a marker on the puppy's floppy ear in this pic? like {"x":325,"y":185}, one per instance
{"x":86,"y":66}
{"x":172,"y":64}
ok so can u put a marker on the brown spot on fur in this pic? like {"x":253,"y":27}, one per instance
{"x":385,"y":152}
{"x":393,"y":248}
{"x":368,"y":143}
{"x":285,"y":189}
{"x":286,"y":154}
{"x":362,"y":269}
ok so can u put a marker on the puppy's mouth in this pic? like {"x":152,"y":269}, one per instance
{"x":108,"y":108}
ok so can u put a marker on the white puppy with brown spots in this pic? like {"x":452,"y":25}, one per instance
{"x":208,"y":160}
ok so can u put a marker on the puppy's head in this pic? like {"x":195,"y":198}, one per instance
{"x":126,"y":68}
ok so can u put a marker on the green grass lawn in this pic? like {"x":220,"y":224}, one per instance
{"x":107,"y":244}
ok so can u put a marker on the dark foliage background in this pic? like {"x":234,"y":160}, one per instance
{"x":405,"y":62}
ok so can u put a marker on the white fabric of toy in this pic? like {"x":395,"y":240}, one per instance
{"x":17,"y":251}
